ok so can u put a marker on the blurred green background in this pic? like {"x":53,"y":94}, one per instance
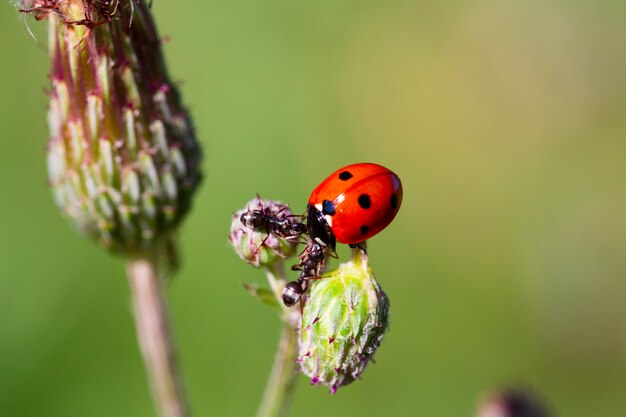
{"x":506,"y":121}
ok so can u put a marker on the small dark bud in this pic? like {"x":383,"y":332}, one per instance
{"x":511,"y":403}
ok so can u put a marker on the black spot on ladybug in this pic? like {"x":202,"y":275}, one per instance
{"x":394,"y":201}
{"x":364,"y":201}
{"x":328,"y":207}
{"x":364,"y":229}
{"x":345,"y":175}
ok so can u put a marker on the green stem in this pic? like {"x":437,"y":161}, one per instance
{"x":282,"y":380}
{"x":155,"y":337}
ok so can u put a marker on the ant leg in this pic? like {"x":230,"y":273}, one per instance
{"x":261,"y":245}
{"x":302,"y":254}
{"x":315,"y":278}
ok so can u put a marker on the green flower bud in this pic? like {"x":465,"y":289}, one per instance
{"x":255,"y":242}
{"x":343,"y":323}
{"x":123,"y":159}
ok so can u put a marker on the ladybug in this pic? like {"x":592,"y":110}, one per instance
{"x":350,"y":206}
{"x":353,"y":204}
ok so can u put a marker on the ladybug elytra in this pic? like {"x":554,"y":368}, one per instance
{"x":353,"y":204}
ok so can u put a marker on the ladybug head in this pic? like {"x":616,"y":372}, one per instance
{"x":318,"y":228}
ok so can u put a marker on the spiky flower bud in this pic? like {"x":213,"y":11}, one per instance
{"x":123,"y":160}
{"x":343,"y":323}
{"x":255,"y":232}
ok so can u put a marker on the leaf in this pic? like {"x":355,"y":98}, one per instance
{"x":263,"y":294}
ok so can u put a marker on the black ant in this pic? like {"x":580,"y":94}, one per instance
{"x":273,"y":223}
{"x":269,"y":223}
{"x":311,"y":262}
{"x":320,"y":244}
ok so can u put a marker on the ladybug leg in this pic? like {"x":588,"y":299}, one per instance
{"x":360,"y":245}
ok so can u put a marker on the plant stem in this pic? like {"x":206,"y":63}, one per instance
{"x":155,"y":337}
{"x":277,"y":280}
{"x":282,"y":380}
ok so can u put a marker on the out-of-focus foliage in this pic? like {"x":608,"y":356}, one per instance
{"x":506,"y":121}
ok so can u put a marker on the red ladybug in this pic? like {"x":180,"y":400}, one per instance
{"x":353,"y":204}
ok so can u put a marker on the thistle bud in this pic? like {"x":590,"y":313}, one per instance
{"x":256,"y":232}
{"x":343,"y":323}
{"x":123,"y":159}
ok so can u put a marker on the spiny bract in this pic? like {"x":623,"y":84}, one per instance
{"x":123,"y":159}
